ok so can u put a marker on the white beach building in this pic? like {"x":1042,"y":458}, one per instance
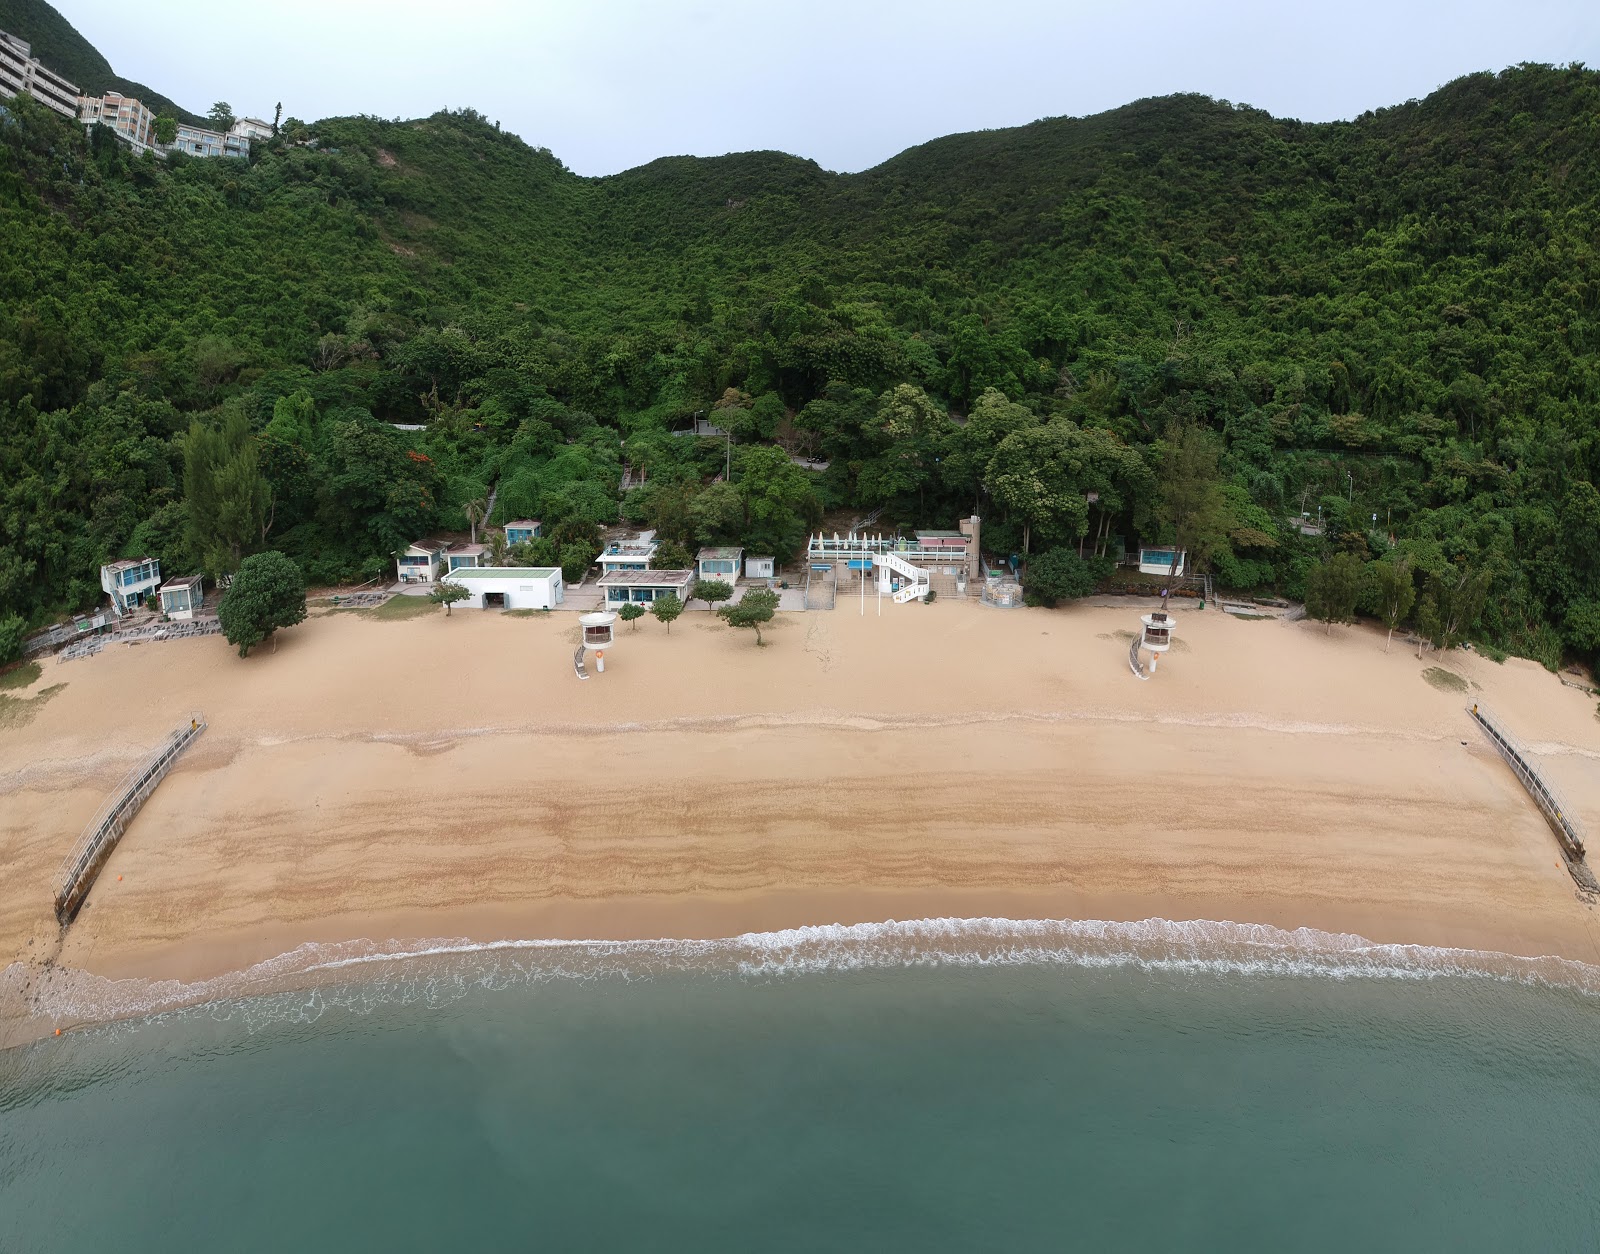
{"x":643,"y":586}
{"x":632,"y":554}
{"x":182,"y":597}
{"x":510,"y":587}
{"x":720,"y":564}
{"x":129,"y":583}
{"x":420,"y":562}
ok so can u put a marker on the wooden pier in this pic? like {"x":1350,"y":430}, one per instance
{"x":1556,"y":811}
{"x":83,"y":864}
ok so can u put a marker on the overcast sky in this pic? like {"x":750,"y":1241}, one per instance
{"x":609,"y":84}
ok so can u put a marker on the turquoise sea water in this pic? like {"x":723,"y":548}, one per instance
{"x":909,"y":1098}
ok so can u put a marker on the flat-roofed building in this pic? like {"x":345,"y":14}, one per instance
{"x":643,"y":586}
{"x":510,"y":587}
{"x":200,"y":141}
{"x":129,"y":583}
{"x":133,"y":122}
{"x":632,"y":554}
{"x":720,"y":564}
{"x":183,"y":597}
{"x":21,"y":71}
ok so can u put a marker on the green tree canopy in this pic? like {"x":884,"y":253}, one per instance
{"x":268,"y":592}
{"x":752,"y":610}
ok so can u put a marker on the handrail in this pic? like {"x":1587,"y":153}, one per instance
{"x":1554,"y":807}
{"x":82,"y":864}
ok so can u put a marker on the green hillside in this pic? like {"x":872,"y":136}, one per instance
{"x":57,"y":43}
{"x":1215,"y":320}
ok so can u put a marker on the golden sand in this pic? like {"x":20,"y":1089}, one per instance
{"x":451,"y":776}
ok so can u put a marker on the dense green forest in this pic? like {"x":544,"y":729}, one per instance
{"x":1390,"y":324}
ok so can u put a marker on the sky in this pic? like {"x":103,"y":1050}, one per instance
{"x":611,"y":84}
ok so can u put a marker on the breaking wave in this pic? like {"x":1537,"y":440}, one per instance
{"x":360,"y":976}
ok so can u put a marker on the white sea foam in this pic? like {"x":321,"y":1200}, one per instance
{"x":360,"y":976}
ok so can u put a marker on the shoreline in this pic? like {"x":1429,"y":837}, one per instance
{"x":445,"y":777}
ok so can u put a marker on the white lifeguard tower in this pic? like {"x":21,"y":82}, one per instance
{"x":598,"y":630}
{"x":1157,"y":637}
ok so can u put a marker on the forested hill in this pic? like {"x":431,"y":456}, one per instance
{"x":57,"y":43}
{"x":1395,"y":316}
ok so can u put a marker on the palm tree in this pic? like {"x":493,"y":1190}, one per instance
{"x":475,"y":510}
{"x":497,"y":549}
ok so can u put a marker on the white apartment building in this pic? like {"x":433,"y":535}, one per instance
{"x":252,"y":129}
{"x":198,"y":141}
{"x":20,"y":71}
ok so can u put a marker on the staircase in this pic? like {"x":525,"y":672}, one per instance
{"x":914,"y":590}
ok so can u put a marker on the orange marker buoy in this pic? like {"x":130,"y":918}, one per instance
{"x":58,"y":1031}
{"x":119,"y":879}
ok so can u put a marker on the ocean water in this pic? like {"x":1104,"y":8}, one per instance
{"x":949,"y":1086}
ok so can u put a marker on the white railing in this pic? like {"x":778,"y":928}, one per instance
{"x":94,"y":846}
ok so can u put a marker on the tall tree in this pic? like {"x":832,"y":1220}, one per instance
{"x":1035,"y":477}
{"x":227,"y":499}
{"x":1394,"y":590}
{"x":1332,"y":589}
{"x":220,"y":115}
{"x":1192,"y":504}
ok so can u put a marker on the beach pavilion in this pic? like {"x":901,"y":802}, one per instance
{"x":641,"y":587}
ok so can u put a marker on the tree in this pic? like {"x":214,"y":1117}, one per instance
{"x":757,"y":606}
{"x":1057,"y":574}
{"x":476,"y":509}
{"x":780,"y":505}
{"x":1192,"y":502}
{"x":496,"y":550}
{"x":711,"y":591}
{"x":1033,"y":476}
{"x":666,"y":608}
{"x":671,"y":556}
{"x":631,"y":613}
{"x":226,"y":497}
{"x":1426,"y":620}
{"x":269,"y":592}
{"x":1394,"y":591}
{"x":13,"y":631}
{"x":1460,"y":595}
{"x":447,"y":593}
{"x":1332,"y":589}
{"x":166,"y":129}
{"x":221,"y":115}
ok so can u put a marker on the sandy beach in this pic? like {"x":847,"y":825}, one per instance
{"x":449,"y":776}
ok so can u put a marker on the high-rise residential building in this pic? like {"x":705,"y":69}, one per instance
{"x":131,"y":120}
{"x":21,"y":71}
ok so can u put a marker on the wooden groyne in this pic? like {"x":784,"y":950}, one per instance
{"x":1556,"y":811}
{"x":83,"y":864}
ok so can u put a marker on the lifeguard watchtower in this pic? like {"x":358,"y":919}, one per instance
{"x":1157,"y":637}
{"x":598,"y":631}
